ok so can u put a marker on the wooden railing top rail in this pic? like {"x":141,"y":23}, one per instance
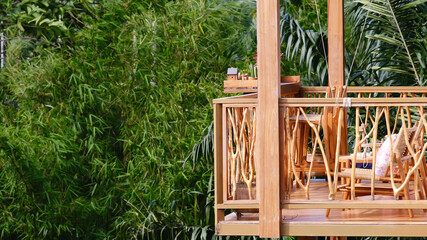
{"x":332,"y":102}
{"x":351,"y":102}
{"x":371,"y":89}
{"x":252,"y":98}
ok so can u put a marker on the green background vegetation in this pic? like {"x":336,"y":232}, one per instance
{"x":105,"y":116}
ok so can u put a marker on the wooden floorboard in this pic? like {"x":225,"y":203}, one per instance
{"x":341,"y":222}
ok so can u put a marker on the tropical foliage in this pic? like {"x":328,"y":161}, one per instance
{"x":392,"y":49}
{"x":95,"y":133}
{"x":385,"y":44}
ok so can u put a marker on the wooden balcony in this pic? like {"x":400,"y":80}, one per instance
{"x":318,"y":127}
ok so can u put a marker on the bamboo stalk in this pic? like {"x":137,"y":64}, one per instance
{"x":2,"y":52}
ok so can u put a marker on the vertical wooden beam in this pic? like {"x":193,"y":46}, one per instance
{"x":218,"y":162}
{"x":267,"y":145}
{"x":283,"y":155}
{"x":336,"y":63}
{"x":336,"y":42}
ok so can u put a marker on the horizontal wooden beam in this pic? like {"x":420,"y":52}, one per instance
{"x":352,"y":102}
{"x":332,"y":102}
{"x":228,"y":205}
{"x":373,"y":89}
{"x":379,"y":228}
{"x":251,"y":86}
{"x":352,"y":229}
{"x":355,"y":204}
{"x":240,"y":86}
{"x":237,"y":229}
{"x":391,"y":89}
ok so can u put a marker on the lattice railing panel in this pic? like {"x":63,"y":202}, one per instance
{"x":241,"y":165}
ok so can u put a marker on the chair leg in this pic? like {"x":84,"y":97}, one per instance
{"x":406,"y":193}
{"x":328,"y":211}
{"x":423,"y":180}
{"x":406,"y":187}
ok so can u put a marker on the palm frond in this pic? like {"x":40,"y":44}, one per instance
{"x":392,"y":44}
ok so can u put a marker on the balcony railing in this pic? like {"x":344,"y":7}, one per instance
{"x":327,"y":137}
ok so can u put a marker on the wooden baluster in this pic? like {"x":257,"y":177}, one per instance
{"x":405,"y":184}
{"x":231,"y":166}
{"x":408,"y":113}
{"x":325,"y":160}
{"x":337,"y":152}
{"x":289,"y":153}
{"x":374,"y":149}
{"x":353,"y":164}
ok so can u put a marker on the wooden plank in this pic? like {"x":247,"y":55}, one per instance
{"x":241,"y":105}
{"x":249,"y":95}
{"x":354,"y":102}
{"x":388,"y":89}
{"x":350,"y":229}
{"x":236,"y":87}
{"x":331,"y":102}
{"x":371,"y":89}
{"x":218,"y":159}
{"x":336,"y":42}
{"x":237,"y":229}
{"x":305,"y":90}
{"x":240,"y":83}
{"x":251,"y":86}
{"x":241,"y":201}
{"x":238,"y":206}
{"x":310,"y":221}
{"x":355,"y":229}
{"x":336,"y":204}
{"x":267,"y":145}
{"x":379,"y":89}
{"x":354,"y":204}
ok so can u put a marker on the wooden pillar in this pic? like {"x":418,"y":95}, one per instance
{"x":219,"y":167}
{"x":336,"y":63}
{"x":267,"y":144}
{"x":336,"y":42}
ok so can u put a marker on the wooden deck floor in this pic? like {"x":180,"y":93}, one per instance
{"x":341,"y":222}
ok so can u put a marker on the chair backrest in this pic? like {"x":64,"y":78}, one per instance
{"x":400,"y":148}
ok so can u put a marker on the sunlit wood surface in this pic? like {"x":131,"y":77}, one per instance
{"x":344,"y":222}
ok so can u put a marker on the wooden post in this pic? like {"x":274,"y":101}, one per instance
{"x":267,"y":144}
{"x":336,"y":63}
{"x":336,"y":43}
{"x":218,"y":168}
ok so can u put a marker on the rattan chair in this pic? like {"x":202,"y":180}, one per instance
{"x":403,"y":156}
